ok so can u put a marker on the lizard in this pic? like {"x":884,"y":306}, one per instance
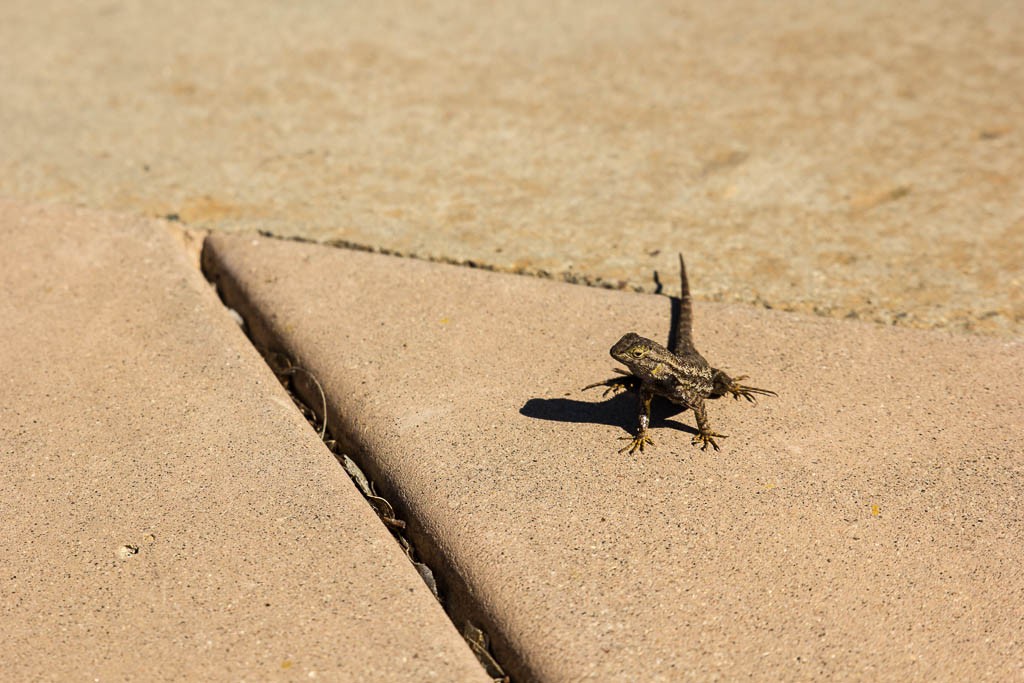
{"x":682,"y":375}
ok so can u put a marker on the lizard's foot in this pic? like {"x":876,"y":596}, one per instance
{"x":637,"y":443}
{"x":705,"y":438}
{"x":737,"y":390}
{"x":616,"y":384}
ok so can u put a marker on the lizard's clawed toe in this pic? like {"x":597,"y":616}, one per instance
{"x":636,"y":443}
{"x":749,"y":393}
{"x":705,"y":438}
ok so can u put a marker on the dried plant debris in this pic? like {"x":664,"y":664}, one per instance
{"x":387,"y":515}
{"x":424,"y":570}
{"x":480,"y":644}
{"x":285,"y":371}
{"x":381,"y":505}
{"x":323,"y":400}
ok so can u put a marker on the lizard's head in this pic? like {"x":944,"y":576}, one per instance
{"x":634,"y":351}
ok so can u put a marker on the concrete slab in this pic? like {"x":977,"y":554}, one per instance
{"x":851,"y":158}
{"x":865,"y":524}
{"x":168,"y":514}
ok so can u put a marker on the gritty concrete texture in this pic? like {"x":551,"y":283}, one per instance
{"x":865,"y":524}
{"x":858,"y":159}
{"x":167,"y":512}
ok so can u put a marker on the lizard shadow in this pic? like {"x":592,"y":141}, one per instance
{"x":617,"y":411}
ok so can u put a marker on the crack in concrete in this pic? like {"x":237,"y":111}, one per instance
{"x":281,"y":364}
{"x":561,"y":276}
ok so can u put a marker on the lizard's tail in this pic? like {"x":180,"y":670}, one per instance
{"x":684,"y":323}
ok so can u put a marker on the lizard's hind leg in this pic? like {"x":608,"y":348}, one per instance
{"x":705,"y":435}
{"x":726,"y":385}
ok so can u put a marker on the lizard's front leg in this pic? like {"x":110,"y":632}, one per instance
{"x":616,"y":384}
{"x":705,"y":435}
{"x":641,"y":439}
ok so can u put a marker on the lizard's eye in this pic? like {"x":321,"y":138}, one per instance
{"x":637,"y":351}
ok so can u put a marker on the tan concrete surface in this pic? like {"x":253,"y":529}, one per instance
{"x":167,"y":513}
{"x":856,"y":158}
{"x":865,"y":525}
